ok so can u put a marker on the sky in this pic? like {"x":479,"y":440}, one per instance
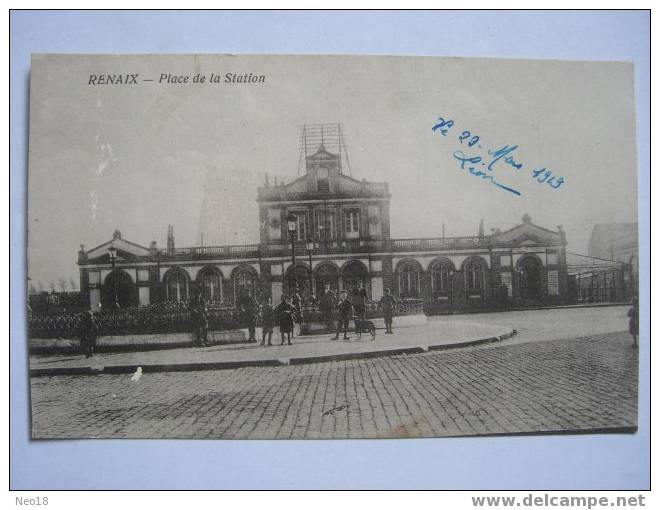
{"x":140,"y":157}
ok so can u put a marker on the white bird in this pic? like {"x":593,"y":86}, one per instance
{"x":136,"y":376}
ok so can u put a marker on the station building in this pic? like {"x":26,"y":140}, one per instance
{"x":325,"y":227}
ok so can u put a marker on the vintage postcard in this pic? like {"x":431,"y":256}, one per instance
{"x":301,"y":247}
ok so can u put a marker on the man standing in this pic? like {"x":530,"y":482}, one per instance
{"x":200,"y":324}
{"x":388,"y":303}
{"x":326,"y":305}
{"x":284,"y":315}
{"x":249,"y":308}
{"x":267,"y":322}
{"x":345,"y":310}
{"x":359,"y":301}
{"x":88,"y":331}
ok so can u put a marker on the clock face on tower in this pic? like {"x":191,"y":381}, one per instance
{"x":323,"y":173}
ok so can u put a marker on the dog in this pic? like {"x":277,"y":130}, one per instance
{"x":365,"y":326}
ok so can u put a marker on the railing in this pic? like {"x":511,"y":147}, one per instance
{"x":433,"y":243}
{"x":369,"y":189}
{"x":166,"y":318}
{"x":322,"y":246}
{"x":239,"y":250}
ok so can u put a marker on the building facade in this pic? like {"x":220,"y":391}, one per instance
{"x":326,"y":227}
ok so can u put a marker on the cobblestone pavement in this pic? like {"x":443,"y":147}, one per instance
{"x":582,"y":384}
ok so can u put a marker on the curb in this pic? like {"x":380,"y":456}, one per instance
{"x":356,"y":355}
{"x":279,"y":362}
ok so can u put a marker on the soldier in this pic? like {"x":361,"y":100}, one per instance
{"x":345,"y":311}
{"x":633,"y":322}
{"x":284,"y":315}
{"x":249,"y":308}
{"x":388,"y":303}
{"x":88,"y":331}
{"x":326,"y":305}
{"x":359,"y":301}
{"x":267,"y":322}
{"x":297,"y":303}
{"x":196,"y":322}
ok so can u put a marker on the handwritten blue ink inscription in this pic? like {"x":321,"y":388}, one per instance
{"x":484,"y":163}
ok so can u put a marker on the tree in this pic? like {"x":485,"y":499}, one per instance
{"x":51,"y":286}
{"x":72,"y":284}
{"x":61,"y":283}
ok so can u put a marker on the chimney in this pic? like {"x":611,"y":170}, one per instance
{"x":170,"y":240}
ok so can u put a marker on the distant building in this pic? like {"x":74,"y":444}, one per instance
{"x":341,"y":236}
{"x":610,"y":270}
{"x":616,"y":241}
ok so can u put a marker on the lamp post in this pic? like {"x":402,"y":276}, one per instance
{"x":291,"y":220}
{"x":112,"y":253}
{"x":451,"y":291}
{"x":310,"y":247}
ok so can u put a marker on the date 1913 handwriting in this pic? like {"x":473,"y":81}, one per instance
{"x":484,"y":163}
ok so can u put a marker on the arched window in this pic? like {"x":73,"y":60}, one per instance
{"x":118,"y":289}
{"x":177,"y":286}
{"x":244,"y":280}
{"x":441,"y":274}
{"x":327,"y":274}
{"x":302,"y":280}
{"x":211,"y":284}
{"x":409,"y":281}
{"x":474,"y":276}
{"x":354,"y":272}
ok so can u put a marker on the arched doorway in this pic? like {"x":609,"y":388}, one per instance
{"x":302,"y":280}
{"x":354,"y":272}
{"x":327,"y":274}
{"x":210,"y":284}
{"x":245,"y":278}
{"x":442,"y":274}
{"x":409,"y":279}
{"x":531,"y":286}
{"x":177,"y":286}
{"x":118,"y":283}
{"x":474,"y":269}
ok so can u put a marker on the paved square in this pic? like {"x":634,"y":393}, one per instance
{"x":585,"y":384}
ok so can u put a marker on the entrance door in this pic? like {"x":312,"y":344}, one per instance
{"x":119,"y":284}
{"x":530,"y":278}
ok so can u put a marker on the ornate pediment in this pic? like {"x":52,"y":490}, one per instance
{"x":526,"y":234}
{"x":126,"y":251}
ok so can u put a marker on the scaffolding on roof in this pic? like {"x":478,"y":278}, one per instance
{"x":330,"y":137}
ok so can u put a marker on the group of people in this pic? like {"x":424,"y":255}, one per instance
{"x":289,"y":311}
{"x":286,"y":314}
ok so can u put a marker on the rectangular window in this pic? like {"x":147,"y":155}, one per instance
{"x":301,"y":225}
{"x":553,"y":283}
{"x":325,"y":225}
{"x":352,"y":223}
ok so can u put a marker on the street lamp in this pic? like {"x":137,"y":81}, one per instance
{"x":310,"y":248}
{"x":291,"y":220}
{"x":112,"y":253}
{"x":451,"y":291}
